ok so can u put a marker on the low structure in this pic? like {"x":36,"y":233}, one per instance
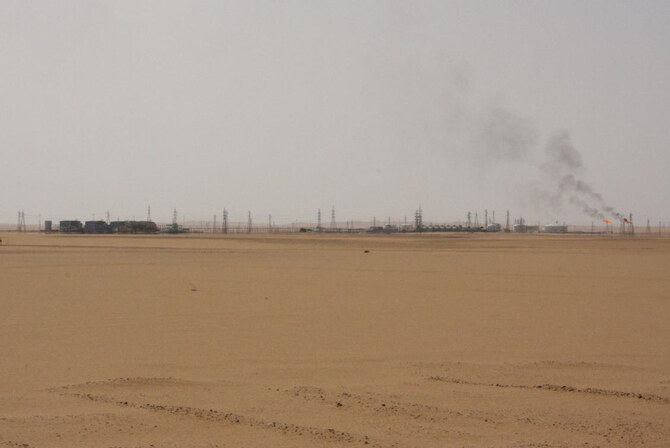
{"x":71,"y":226}
{"x":97,"y":227}
{"x":133,"y":227}
{"x":555,"y":228}
{"x":495,"y":227}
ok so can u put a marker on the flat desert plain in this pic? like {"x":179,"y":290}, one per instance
{"x":307,"y":340}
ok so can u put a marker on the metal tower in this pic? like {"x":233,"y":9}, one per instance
{"x":418,"y":220}
{"x":21,"y":224}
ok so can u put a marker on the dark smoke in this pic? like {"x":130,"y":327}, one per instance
{"x":497,"y":136}
{"x":563,"y":169}
{"x":562,"y":155}
{"x":506,"y":136}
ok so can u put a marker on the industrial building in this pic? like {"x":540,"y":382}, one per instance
{"x":555,"y":228}
{"x":71,"y":226}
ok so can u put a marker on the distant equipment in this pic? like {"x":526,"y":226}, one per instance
{"x":71,"y":226}
{"x":97,"y":227}
{"x":124,"y":227}
{"x":555,"y":228}
{"x":495,"y":227}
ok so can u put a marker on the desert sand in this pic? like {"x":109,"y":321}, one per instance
{"x":307,"y":340}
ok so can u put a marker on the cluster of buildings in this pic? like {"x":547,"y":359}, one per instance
{"x":75,"y":226}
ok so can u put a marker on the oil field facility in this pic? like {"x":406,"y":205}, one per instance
{"x":471,"y":224}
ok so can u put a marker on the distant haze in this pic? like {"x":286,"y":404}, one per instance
{"x":554,"y":110}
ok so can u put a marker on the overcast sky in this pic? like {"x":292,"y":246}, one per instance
{"x":373,"y":107}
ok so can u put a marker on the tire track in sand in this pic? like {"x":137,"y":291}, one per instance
{"x":557,"y":388}
{"x":385,"y":406}
{"x":213,"y":415}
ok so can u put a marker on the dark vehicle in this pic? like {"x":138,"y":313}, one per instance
{"x":73,"y":226}
{"x":97,"y":227}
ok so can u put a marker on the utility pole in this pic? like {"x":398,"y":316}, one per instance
{"x":486,"y":218}
{"x":269,"y":223}
{"x":249,"y":222}
{"x":333,"y":224}
{"x":214,"y":228}
{"x":225,"y":221}
{"x":507,"y":224}
{"x":22,"y":221}
{"x":149,"y":213}
{"x":318,"y":221}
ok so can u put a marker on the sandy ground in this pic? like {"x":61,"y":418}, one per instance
{"x":307,"y":340}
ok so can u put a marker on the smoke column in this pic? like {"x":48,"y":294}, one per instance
{"x":497,"y":137}
{"x":563,"y":168}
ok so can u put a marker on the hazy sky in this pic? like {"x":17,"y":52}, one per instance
{"x":373,"y":107}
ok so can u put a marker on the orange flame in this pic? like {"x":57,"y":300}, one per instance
{"x":628,"y":222}
{"x":608,"y":221}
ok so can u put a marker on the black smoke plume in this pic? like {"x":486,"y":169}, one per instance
{"x":563,"y":169}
